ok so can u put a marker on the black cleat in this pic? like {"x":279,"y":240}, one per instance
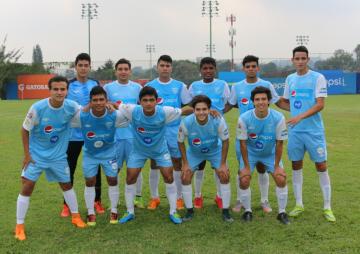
{"x":247,"y":216}
{"x":226,"y":216}
{"x":283,"y":218}
{"x":189,"y":215}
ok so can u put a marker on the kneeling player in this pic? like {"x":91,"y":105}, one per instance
{"x":98,"y":128}
{"x":45,"y":137}
{"x":208,"y":139}
{"x":148,"y":122}
{"x":261,"y":132}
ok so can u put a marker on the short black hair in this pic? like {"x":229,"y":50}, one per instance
{"x":200,"y":98}
{"x":96,"y":90}
{"x":148,"y":90}
{"x":165,"y":58}
{"x":58,"y":79}
{"x":207,"y":60}
{"x":123,"y":61}
{"x":261,"y":89}
{"x":250,"y":58}
{"x":82,"y":56}
{"x":300,"y":49}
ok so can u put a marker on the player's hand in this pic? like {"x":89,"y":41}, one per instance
{"x":27,"y":160}
{"x":224,"y":171}
{"x":185,"y":171}
{"x":214,"y":113}
{"x":86,"y":108}
{"x":293,"y":121}
{"x":278,"y":169}
{"x":245,"y":171}
{"x":110,"y":107}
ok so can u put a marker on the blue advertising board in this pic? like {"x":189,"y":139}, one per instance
{"x":11,"y":91}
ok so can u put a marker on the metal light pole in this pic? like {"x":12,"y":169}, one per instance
{"x":232,"y":42}
{"x":210,"y":48}
{"x":150,"y":48}
{"x":210,"y":8}
{"x":89,"y":12}
{"x":302,"y":39}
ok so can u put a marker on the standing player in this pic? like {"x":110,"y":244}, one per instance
{"x":240,"y":97}
{"x":218,"y":91}
{"x":45,"y":135}
{"x":304,"y":96}
{"x":124,"y":91}
{"x":148,"y":122}
{"x":98,"y":127}
{"x":172,"y":93}
{"x":208,"y":139}
{"x":79,"y":89}
{"x":261,"y":132}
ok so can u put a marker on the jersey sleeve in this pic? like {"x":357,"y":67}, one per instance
{"x":241,"y":130}
{"x":121,"y":120}
{"x":321,"y":88}
{"x":274,"y":95}
{"x":286,"y":90}
{"x":185,"y":95}
{"x":182,"y":133}
{"x":171,"y":113}
{"x":31,"y":119}
{"x":223,"y":130}
{"x":281,"y":131}
{"x":75,"y":121}
{"x":126,"y":110}
{"x":233,"y":98}
{"x":226,"y":94}
{"x":191,"y":92}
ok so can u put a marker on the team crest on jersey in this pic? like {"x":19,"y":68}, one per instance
{"x":252,"y":136}
{"x":48,"y":129}
{"x":159,"y":101}
{"x":205,"y":150}
{"x":244,"y":101}
{"x":90,"y":135}
{"x":98,"y":144}
{"x":259,"y":145}
{"x":297,"y":104}
{"x":293,"y":93}
{"x":196,"y":141}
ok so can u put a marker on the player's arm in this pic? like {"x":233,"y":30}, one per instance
{"x":223,"y":133}
{"x":227,"y":95}
{"x":187,"y":110}
{"x":182,"y":134}
{"x":283,"y":104}
{"x":28,"y":124}
{"x":75,"y":121}
{"x":319,"y":105}
{"x":228,"y":107}
{"x":281,"y":135}
{"x":241,"y":134}
{"x":125,"y":110}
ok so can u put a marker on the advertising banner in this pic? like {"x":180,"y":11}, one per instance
{"x":34,"y":86}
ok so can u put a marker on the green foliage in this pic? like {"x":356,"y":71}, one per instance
{"x":186,"y":71}
{"x":37,"y":56}
{"x":105,"y":72}
{"x":341,"y":60}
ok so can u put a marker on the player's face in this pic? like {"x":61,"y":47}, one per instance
{"x":123,"y":73}
{"x":300,"y":61}
{"x":208,"y":72}
{"x":83,"y":68}
{"x":261,"y":102}
{"x":58,"y":92}
{"x":201,"y":112}
{"x":251,"y":69}
{"x":164,"y":69}
{"x":98,"y":103}
{"x":148,"y":102}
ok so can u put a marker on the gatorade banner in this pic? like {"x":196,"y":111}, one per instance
{"x":33,"y":86}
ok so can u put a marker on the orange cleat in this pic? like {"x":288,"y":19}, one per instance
{"x":20,"y":232}
{"x":154,"y":203}
{"x":218,"y":202}
{"x":99,"y":207}
{"x":77,"y":221}
{"x":65,"y":211}
{"x":180,"y":204}
{"x":198,"y":202}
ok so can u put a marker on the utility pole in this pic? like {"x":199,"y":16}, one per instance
{"x":150,"y":48}
{"x":210,"y":8}
{"x":232,"y":42}
{"x":89,"y":12}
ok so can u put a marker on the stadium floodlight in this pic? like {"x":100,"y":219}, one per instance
{"x":210,"y":48}
{"x":302,"y":39}
{"x":232,"y":42}
{"x":150,"y":48}
{"x":89,"y":12}
{"x":210,"y":8}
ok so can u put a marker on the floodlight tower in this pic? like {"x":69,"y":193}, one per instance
{"x":89,"y":12}
{"x":150,"y":48}
{"x":302,"y":39}
{"x":232,"y":42}
{"x":210,"y":8}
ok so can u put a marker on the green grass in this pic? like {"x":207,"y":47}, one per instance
{"x":151,"y":231}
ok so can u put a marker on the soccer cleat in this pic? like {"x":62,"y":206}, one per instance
{"x":266,"y":207}
{"x":283,"y":218}
{"x":226,"y":216}
{"x":77,"y":221}
{"x":65,"y":211}
{"x":329,"y":216}
{"x":218,"y":202}
{"x":126,"y":218}
{"x":296,"y":211}
{"x":113,"y":218}
{"x":198,"y":202}
{"x":180,"y":204}
{"x":237,"y":207}
{"x":154,"y":203}
{"x":247,"y":216}
{"x":138,"y":202}
{"x":91,"y":220}
{"x":20,"y":232}
{"x":175,"y":218}
{"x":189,"y":215}
{"x":99,"y":207}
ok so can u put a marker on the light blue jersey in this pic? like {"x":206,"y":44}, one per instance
{"x":218,"y":91}
{"x":49,"y":129}
{"x":241,"y":94}
{"x":302,"y":92}
{"x":123,"y":93}
{"x":80,"y":92}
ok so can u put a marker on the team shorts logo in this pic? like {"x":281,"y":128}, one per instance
{"x":114,"y":165}
{"x":90,"y":135}
{"x":293,"y":93}
{"x":259,"y":145}
{"x":159,"y":101}
{"x":54,"y":139}
{"x":297,"y":104}
{"x":252,"y":136}
{"x":141,"y":130}
{"x":147,"y":140}
{"x":196,"y":142}
{"x":205,"y":150}
{"x":320,"y":151}
{"x":98,"y":144}
{"x":48,"y":129}
{"x":167,"y":157}
{"x":244,"y":101}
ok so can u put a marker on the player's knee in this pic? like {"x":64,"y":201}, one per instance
{"x":296,"y":165}
{"x":245,"y":181}
{"x":186,"y":180}
{"x":280,"y":180}
{"x":112,"y":181}
{"x":131,"y":179}
{"x":260,"y":168}
{"x":224,"y":179}
{"x":90,"y":182}
{"x":168,"y":178}
{"x":321,"y":166}
{"x":27,"y":188}
{"x":177,"y":164}
{"x":65,"y":186}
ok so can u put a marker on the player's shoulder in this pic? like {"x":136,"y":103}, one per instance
{"x":135,"y":84}
{"x":246,"y":115}
{"x":291,"y":76}
{"x":220,"y":81}
{"x":316,"y":75}
{"x":276,"y":114}
{"x":93,"y":81}
{"x":196,"y":83}
{"x":263,"y":82}
{"x":71,"y":104}
{"x":40,"y":104}
{"x":152,"y":83}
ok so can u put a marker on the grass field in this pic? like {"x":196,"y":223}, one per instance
{"x":152,"y":232}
